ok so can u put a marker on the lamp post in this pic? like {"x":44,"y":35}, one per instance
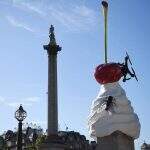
{"x":20,"y":115}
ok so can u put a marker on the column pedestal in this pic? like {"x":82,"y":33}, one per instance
{"x":52,"y":143}
{"x":115,"y":141}
{"x":51,"y":146}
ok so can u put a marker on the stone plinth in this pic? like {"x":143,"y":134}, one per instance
{"x":51,"y":146}
{"x":54,"y":144}
{"x":115,"y":141}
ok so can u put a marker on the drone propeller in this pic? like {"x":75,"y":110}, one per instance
{"x":129,"y":58}
{"x":134,"y":74}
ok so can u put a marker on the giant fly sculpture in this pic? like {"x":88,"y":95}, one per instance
{"x":108,"y":103}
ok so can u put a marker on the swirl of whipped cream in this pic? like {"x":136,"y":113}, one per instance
{"x":120,"y":117}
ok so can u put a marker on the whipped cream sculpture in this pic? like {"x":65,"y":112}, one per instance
{"x":112,"y":111}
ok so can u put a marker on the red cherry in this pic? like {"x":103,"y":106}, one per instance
{"x":108,"y":73}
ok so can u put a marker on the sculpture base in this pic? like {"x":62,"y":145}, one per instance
{"x":51,"y":146}
{"x":115,"y":141}
{"x":53,"y":142}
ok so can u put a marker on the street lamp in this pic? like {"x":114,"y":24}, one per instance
{"x":20,"y":115}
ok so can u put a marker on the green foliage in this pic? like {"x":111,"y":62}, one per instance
{"x":40,"y":140}
{"x":2,"y":143}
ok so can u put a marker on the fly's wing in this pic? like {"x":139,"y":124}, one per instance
{"x":129,"y":58}
{"x":134,"y":74}
{"x":103,"y":103}
{"x":103,"y":106}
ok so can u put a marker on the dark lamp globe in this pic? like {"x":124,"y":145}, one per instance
{"x":20,"y":114}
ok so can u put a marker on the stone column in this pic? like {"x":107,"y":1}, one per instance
{"x":53,"y":141}
{"x":52,"y":95}
{"x":52,"y":50}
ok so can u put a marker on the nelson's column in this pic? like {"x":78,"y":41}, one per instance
{"x":52,"y":140}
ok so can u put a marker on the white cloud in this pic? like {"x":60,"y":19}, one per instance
{"x":38,"y":122}
{"x":2,"y":99}
{"x":84,"y":11}
{"x":13,"y":104}
{"x":29,"y":101}
{"x":32,"y":99}
{"x":73,"y":16}
{"x":35,"y":9}
{"x":17,"y":104}
{"x":18,"y":23}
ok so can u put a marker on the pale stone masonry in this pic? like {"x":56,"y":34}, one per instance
{"x":115,"y":141}
{"x":52,"y":95}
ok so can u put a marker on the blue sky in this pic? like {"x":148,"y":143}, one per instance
{"x":79,"y":31}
